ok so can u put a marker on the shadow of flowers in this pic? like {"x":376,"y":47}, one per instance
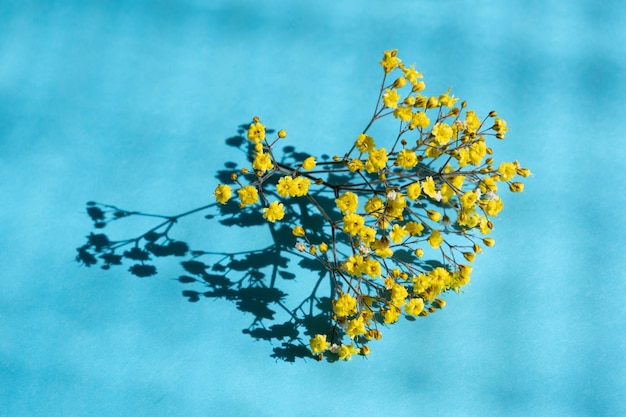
{"x":266,"y":283}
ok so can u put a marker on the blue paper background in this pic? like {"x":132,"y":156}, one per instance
{"x":129,"y":102}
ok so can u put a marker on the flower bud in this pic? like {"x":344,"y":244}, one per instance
{"x":489,"y":241}
{"x":399,"y":82}
{"x":439,"y":303}
{"x":493,"y":113}
{"x":233,"y":176}
{"x":469,"y":256}
{"x":523,"y":172}
{"x":434,"y":215}
{"x":419,"y":86}
{"x":516,"y":187}
{"x":432,"y":102}
{"x":282,"y":133}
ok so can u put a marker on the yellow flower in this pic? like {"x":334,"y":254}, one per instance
{"x":468,"y":199}
{"x":356,"y":327}
{"x":414,"y":228}
{"x":377,"y":160}
{"x":309,"y":163}
{"x":390,"y":61}
{"x":488,"y":184}
{"x":367,"y":235}
{"x":398,"y":295}
{"x":381,"y":247}
{"x":275,"y":211}
{"x":286,"y":187}
{"x":403,"y":113}
{"x":396,"y":207}
{"x":391,"y":98}
{"x":391,"y":315}
{"x":354,"y":265}
{"x":347,"y":203}
{"x":262,"y":162}
{"x":374,"y":206}
{"x":507,"y":170}
{"x":428,"y":187}
{"x":301,"y":186}
{"x":345,"y":352}
{"x":491,"y":207}
{"x":499,"y":126}
{"x":355,"y":165}
{"x":414,"y":307}
{"x":411,"y":75}
{"x":323,"y":247}
{"x":345,"y":305}
{"x":435,"y":239}
{"x":473,"y":122}
{"x":477,"y":152}
{"x":442,"y":133}
{"x":414,"y":190}
{"x":318,"y":343}
{"x":406,"y":159}
{"x":446,"y":192}
{"x":248,"y":195}
{"x":256,"y":131}
{"x":298,"y":231}
{"x":447,"y":100}
{"x":222,"y":193}
{"x":397,"y":233}
{"x":419,"y":119}
{"x":372,"y":268}
{"x":352,"y":223}
{"x":364,"y":143}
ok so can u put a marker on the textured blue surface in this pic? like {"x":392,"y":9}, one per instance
{"x":129,"y":102}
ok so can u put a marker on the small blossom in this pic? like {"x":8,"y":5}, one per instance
{"x":222,"y":193}
{"x":275,"y":211}
{"x":391,"y":98}
{"x":248,"y":195}
{"x":345,"y":305}
{"x":309,"y":163}
{"x":435,"y":239}
{"x":345,"y":352}
{"x":347,"y":202}
{"x":319,"y":344}
{"x":256,"y":132}
{"x":406,"y":159}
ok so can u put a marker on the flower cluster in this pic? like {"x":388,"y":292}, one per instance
{"x":411,"y":211}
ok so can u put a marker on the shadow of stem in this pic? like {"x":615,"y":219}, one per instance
{"x":252,"y":280}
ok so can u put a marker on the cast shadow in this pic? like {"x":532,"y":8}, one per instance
{"x":285,"y":291}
